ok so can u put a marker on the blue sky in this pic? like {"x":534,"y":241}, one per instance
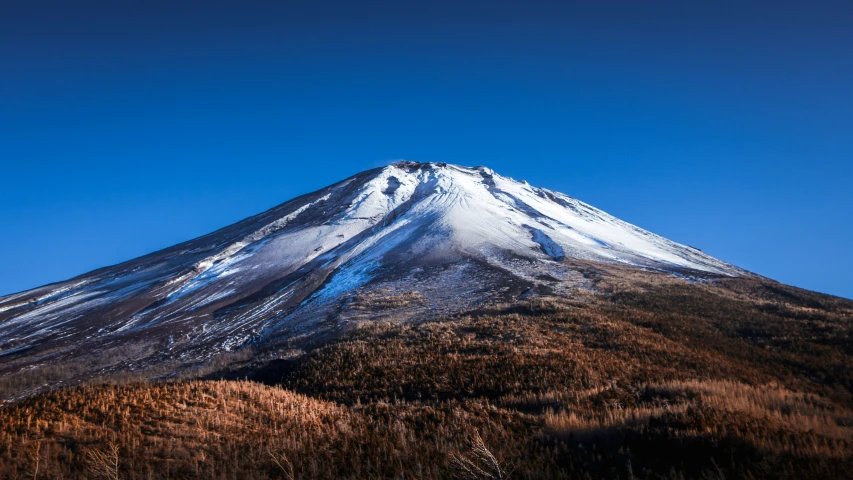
{"x":126,"y":127}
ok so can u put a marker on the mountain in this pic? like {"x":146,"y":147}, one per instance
{"x":438,"y":238}
{"x":426,"y":320}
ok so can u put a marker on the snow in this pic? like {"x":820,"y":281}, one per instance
{"x":550,"y":247}
{"x":305,"y":255}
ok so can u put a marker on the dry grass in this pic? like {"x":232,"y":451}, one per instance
{"x":771,"y":418}
{"x":236,"y":429}
{"x":383,"y":300}
{"x":731,"y":379}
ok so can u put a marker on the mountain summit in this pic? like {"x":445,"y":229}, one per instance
{"x":433,"y":237}
{"x":382,"y":324}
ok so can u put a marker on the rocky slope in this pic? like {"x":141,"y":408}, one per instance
{"x":407,"y":241}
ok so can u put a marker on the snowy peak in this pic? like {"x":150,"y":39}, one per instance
{"x":480,"y":210}
{"x":452,"y":236}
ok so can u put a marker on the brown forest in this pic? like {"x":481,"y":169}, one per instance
{"x":650,"y":377}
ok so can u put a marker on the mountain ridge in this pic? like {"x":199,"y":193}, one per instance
{"x":454,"y":238}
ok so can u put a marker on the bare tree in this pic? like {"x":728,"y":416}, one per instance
{"x":479,"y":463}
{"x":283,"y":463}
{"x":35,"y":455}
{"x":104,"y":463}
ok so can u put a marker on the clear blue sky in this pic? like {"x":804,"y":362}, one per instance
{"x":126,"y":127}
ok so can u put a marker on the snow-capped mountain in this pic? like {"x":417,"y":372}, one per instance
{"x":429,"y":238}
